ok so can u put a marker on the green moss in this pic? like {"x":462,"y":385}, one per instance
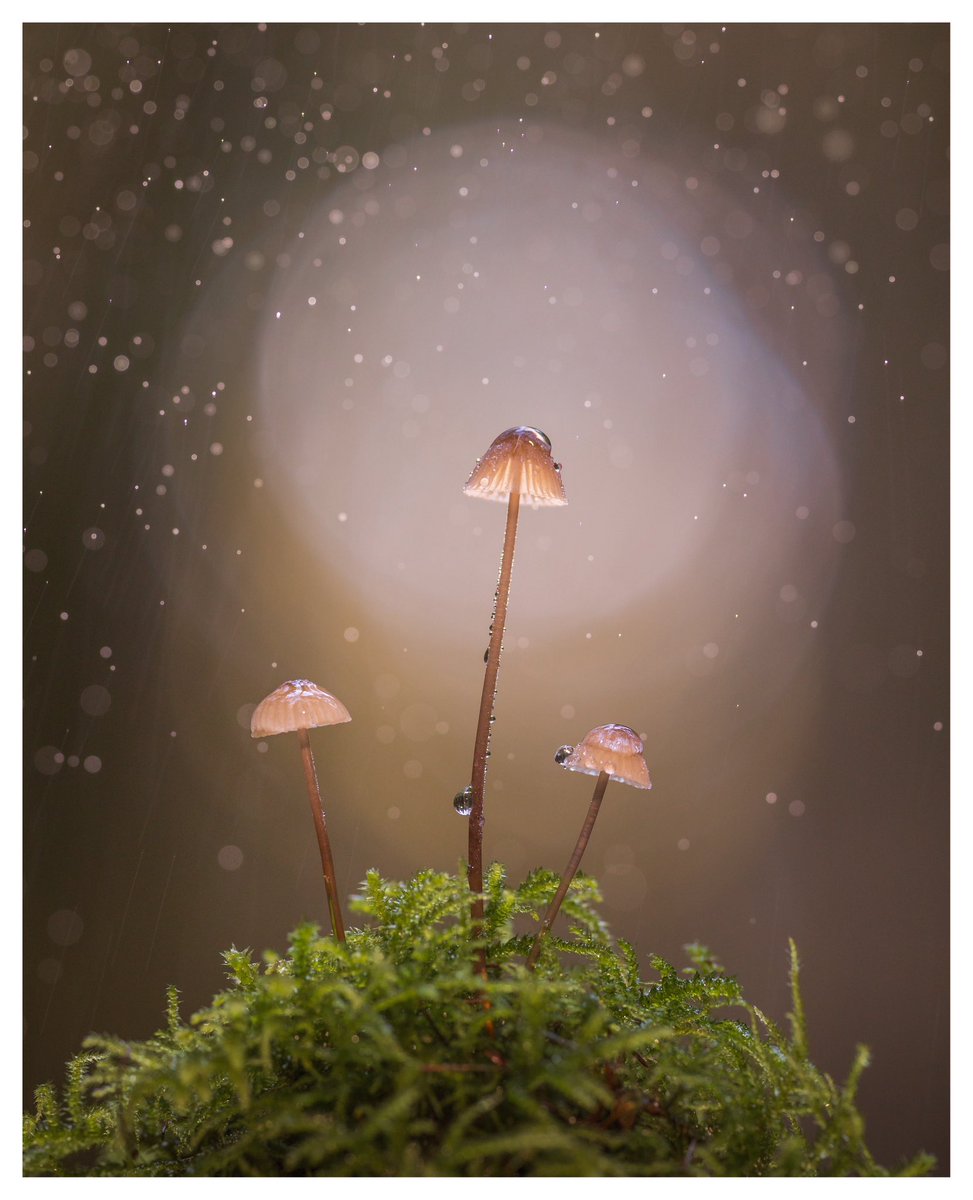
{"x":389,"y":1056}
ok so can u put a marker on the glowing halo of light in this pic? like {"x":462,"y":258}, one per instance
{"x":432,"y":301}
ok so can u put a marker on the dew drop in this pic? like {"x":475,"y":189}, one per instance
{"x":562,"y":755}
{"x":538,"y":433}
{"x":463,"y":801}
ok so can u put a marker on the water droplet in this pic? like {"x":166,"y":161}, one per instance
{"x":463,"y":801}
{"x":561,"y":756}
{"x":486,"y":654}
{"x":533,"y":431}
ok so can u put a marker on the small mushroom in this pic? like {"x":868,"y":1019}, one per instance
{"x":610,"y":752}
{"x":296,"y":707}
{"x":517,"y":466}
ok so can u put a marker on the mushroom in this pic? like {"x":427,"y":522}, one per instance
{"x":296,"y":707}
{"x":610,"y":752}
{"x":518,"y":465}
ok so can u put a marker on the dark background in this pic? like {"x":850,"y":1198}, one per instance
{"x":801,"y":770}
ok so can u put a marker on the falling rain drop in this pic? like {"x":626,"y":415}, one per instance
{"x":561,"y":756}
{"x":463,"y":802}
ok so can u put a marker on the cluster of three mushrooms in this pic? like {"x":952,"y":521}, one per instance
{"x":518,"y":465}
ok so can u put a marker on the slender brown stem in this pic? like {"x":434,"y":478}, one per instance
{"x":482,"y":744}
{"x":571,"y":869}
{"x":321,"y":829}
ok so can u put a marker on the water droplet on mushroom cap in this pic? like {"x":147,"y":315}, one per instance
{"x":463,"y":801}
{"x":531,"y":431}
{"x":562,"y":754}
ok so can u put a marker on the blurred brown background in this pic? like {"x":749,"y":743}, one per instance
{"x":283,"y":285}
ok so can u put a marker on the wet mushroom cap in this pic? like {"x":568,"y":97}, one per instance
{"x":519,"y":460}
{"x":296,"y":704}
{"x":616,"y":749}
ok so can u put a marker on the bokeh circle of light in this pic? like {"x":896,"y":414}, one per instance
{"x":484,"y":277}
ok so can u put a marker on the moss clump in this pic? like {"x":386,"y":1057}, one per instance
{"x":389,"y":1056}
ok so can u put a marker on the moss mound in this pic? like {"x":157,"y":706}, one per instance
{"x":390,"y":1056}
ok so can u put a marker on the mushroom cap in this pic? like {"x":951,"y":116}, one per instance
{"x":296,"y":704}
{"x":519,"y":460}
{"x":616,"y":749}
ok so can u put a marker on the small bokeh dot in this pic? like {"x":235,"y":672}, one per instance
{"x":796,"y":808}
{"x":65,"y":927}
{"x":771,"y":797}
{"x":48,"y":760}
{"x":230,"y":858}
{"x":95,"y":700}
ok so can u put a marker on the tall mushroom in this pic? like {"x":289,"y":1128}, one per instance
{"x":296,"y":707}
{"x":517,"y":466}
{"x":610,"y":752}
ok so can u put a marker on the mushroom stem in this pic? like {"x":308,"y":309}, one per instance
{"x":571,"y":869}
{"x":482,"y":745}
{"x":321,"y":829}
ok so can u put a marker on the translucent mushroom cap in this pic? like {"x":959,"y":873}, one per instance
{"x":296,"y":704}
{"x":616,"y":749}
{"x":519,"y":460}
